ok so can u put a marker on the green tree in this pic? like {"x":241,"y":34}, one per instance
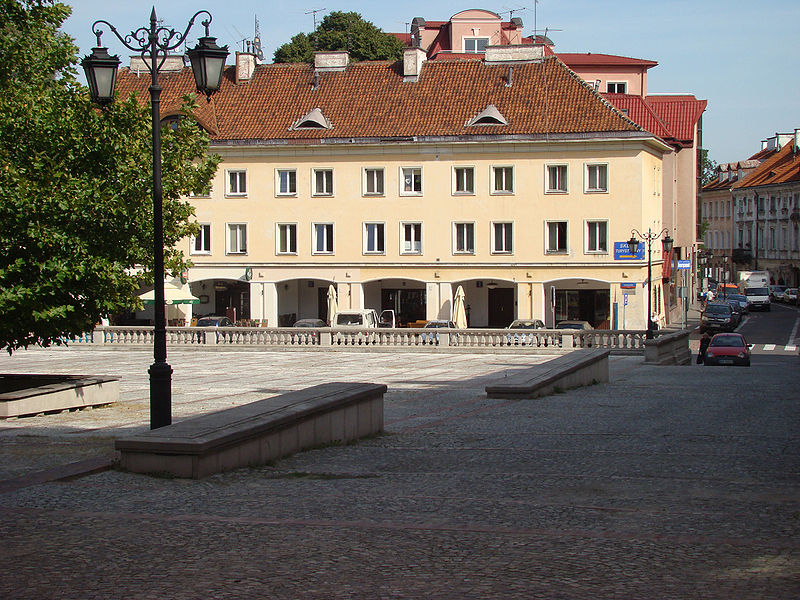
{"x":709,"y":168}
{"x":76,"y":188}
{"x":342,"y":31}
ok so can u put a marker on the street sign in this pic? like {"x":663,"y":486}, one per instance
{"x":625,"y":302}
{"x":685,"y":264}
{"x":623,"y":252}
{"x":627,"y":285}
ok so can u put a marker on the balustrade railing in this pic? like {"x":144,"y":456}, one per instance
{"x":622,"y":341}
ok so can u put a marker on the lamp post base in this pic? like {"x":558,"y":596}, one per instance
{"x":160,"y":395}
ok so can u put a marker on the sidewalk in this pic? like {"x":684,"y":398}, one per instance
{"x":667,"y":482}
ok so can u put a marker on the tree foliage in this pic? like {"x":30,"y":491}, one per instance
{"x":76,"y":240}
{"x":709,"y":168}
{"x":342,"y":31}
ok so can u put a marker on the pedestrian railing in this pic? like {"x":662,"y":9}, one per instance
{"x":620,"y":341}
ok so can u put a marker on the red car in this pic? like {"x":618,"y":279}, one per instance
{"x":728,"y":349}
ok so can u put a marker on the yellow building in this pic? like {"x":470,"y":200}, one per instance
{"x":397,"y":182}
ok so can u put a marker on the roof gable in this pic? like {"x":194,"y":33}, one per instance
{"x":782,"y":167}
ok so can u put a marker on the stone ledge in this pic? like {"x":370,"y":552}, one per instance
{"x":576,"y":369}
{"x":258,"y":432}
{"x":35,"y":394}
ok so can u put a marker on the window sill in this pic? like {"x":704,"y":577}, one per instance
{"x":595,"y":191}
{"x":287,"y":195}
{"x":204,"y":253}
{"x":286,"y":254}
{"x":321,"y":195}
{"x":557,"y":252}
{"x":464,"y":253}
{"x":236,"y":195}
{"x":464,"y":193}
{"x":236,"y":253}
{"x":556,"y":192}
{"x":501,"y":193}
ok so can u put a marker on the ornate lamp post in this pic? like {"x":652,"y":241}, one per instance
{"x":633,"y":246}
{"x":208,"y":63}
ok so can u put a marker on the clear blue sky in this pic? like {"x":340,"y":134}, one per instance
{"x":739,"y":55}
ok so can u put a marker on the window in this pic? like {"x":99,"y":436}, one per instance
{"x":464,"y":180}
{"x":323,"y":182}
{"x":464,"y":238}
{"x":323,"y":238}
{"x":373,"y":182}
{"x":556,"y":179}
{"x":411,"y":184}
{"x":237,"y":183}
{"x":201,"y":243}
{"x":237,"y":238}
{"x":597,"y":178}
{"x":374,"y":238}
{"x":475,"y":44}
{"x":556,"y":237}
{"x":411,"y":241}
{"x":596,"y":237}
{"x":287,"y":238}
{"x":286,"y":182}
{"x":617,"y":87}
{"x":502,"y":180}
{"x":502,"y":238}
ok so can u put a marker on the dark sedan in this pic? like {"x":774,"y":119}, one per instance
{"x":727,"y":349}
{"x":717,"y":317}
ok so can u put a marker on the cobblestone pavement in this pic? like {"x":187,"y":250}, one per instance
{"x":668,"y":482}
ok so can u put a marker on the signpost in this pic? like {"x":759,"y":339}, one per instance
{"x":684,"y":266}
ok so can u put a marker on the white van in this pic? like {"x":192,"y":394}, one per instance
{"x":362,"y":318}
{"x":758,"y":297}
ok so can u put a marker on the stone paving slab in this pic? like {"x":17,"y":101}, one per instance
{"x":667,"y":482}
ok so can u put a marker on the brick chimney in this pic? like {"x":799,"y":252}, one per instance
{"x":245,"y":66}
{"x":412,"y":63}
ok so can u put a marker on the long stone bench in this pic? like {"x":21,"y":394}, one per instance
{"x":258,"y":432}
{"x":576,"y":369}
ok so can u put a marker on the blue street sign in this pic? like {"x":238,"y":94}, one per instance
{"x":623,"y":252}
{"x":685,"y":264}
{"x":625,"y":296}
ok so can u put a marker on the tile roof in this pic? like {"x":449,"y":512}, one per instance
{"x":372,"y":100}
{"x":586,"y":59}
{"x":782,"y":167}
{"x":672,"y":118}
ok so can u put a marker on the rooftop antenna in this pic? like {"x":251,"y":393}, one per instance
{"x":314,"y":12}
{"x":535,"y":30}
{"x":257,"y":50}
{"x":511,"y":11}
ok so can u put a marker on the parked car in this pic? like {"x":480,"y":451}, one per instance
{"x":574,"y":325}
{"x":310,"y":323}
{"x":727,"y":349}
{"x":790,"y":295}
{"x":736,"y":311}
{"x":439,"y":324}
{"x":776,"y":292}
{"x":364,"y":318}
{"x":526,"y":324}
{"x":522,"y":338}
{"x":717,"y":317}
{"x":744,"y":303}
{"x":212,"y":321}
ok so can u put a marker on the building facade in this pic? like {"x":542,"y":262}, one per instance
{"x":395,"y":183}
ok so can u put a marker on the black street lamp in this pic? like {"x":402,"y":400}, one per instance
{"x":633,"y":246}
{"x":208,"y":63}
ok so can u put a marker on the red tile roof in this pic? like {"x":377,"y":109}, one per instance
{"x":782,"y":167}
{"x":372,"y":100}
{"x":587,"y":59}
{"x":672,"y":118}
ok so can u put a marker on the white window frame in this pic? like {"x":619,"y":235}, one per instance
{"x":288,"y":227}
{"x":616,"y":83}
{"x":547,"y":249}
{"x":329,"y":238}
{"x":504,"y":191}
{"x":236,"y":190}
{"x":374,"y":232}
{"x":588,"y":178}
{"x":415,"y":241}
{"x":471,"y":225}
{"x":587,"y":231}
{"x":314,"y":190}
{"x":404,"y":172}
{"x":508,"y":237}
{"x":371,"y":173}
{"x":465,"y":192}
{"x":204,"y":237}
{"x":556,"y":190}
{"x":279,"y":182}
{"x":240,"y":239}
{"x":476,"y":39}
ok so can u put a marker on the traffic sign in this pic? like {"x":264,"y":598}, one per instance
{"x":684,"y":265}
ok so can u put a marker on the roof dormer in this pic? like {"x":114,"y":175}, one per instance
{"x":312,"y":120}
{"x":488,"y":116}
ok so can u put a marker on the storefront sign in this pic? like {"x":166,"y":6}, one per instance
{"x":623,"y":252}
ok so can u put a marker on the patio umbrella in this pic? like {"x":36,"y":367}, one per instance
{"x":460,"y":309}
{"x":172,"y":295}
{"x":333,"y":306}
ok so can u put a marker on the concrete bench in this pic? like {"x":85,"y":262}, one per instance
{"x":256,"y":433}
{"x":576,"y":369}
